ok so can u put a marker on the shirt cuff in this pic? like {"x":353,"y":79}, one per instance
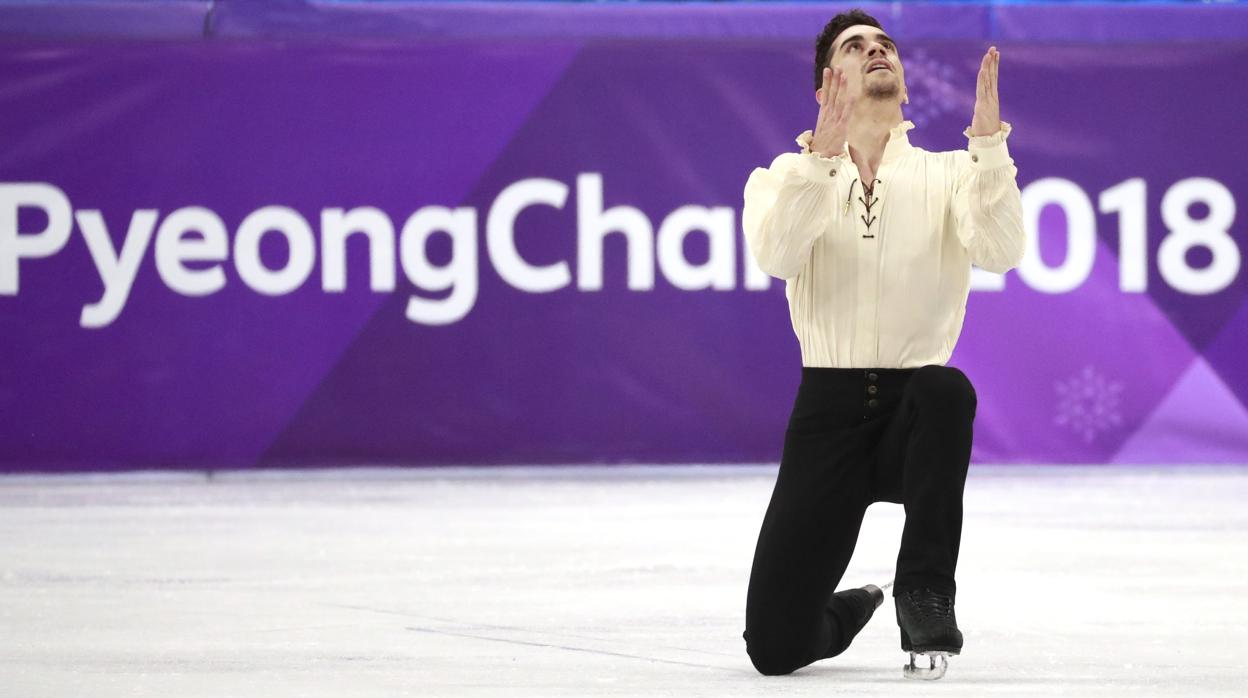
{"x":814,"y":166}
{"x":989,"y":152}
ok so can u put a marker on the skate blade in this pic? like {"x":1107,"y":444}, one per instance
{"x":938,"y":663}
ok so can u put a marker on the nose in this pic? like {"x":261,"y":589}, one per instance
{"x":876,"y":50}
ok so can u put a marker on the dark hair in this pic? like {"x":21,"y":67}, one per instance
{"x":839,"y":23}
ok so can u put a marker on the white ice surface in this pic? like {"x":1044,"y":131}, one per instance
{"x":590,"y":582}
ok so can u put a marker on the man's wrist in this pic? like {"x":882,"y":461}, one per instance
{"x":991,"y":138}
{"x":817,"y":168}
{"x":989,"y":151}
{"x":806,"y":140}
{"x":840,"y":154}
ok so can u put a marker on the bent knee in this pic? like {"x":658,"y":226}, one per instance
{"x":775,"y":654}
{"x":771,"y":663}
{"x":944,"y":386}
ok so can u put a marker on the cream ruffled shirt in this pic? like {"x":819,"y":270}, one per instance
{"x":881,"y":281}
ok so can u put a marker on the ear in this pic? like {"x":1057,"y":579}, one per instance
{"x":819,"y":96}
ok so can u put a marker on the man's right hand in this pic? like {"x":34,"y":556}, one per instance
{"x":835,"y":106}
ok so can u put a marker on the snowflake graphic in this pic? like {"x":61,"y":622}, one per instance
{"x":936,"y":88}
{"x":1088,"y":403}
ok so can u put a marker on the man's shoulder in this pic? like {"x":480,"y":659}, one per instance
{"x":946,"y":158}
{"x":924,"y":152}
{"x":784,"y":159}
{"x":779,"y":165}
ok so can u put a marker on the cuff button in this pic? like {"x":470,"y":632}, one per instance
{"x":831,"y":173}
{"x":974,"y":158}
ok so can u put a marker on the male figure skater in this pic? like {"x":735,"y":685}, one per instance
{"x":875,"y":239}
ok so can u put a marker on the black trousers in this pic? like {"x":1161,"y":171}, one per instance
{"x":856,"y":436}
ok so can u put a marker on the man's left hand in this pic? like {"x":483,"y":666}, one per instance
{"x":987,"y":119}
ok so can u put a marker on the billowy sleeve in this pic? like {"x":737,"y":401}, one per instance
{"x":787,"y":207}
{"x":987,"y":205}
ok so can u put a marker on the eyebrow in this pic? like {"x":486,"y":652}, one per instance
{"x":859,"y":37}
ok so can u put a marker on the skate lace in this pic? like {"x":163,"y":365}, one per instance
{"x":932,"y":604}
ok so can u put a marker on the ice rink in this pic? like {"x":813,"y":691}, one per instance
{"x":592,"y":581}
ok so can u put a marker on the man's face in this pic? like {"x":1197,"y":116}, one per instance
{"x":869,"y":59}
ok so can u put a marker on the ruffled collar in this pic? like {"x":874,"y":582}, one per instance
{"x":898,"y":141}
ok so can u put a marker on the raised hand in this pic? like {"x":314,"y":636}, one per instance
{"x":835,"y":106}
{"x":987,"y":119}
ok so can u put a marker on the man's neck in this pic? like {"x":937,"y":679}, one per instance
{"x":869,"y":128}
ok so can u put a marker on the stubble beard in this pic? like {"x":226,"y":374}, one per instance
{"x":881,"y":91}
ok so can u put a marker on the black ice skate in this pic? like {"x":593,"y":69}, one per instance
{"x":928,"y":628}
{"x":864,"y":601}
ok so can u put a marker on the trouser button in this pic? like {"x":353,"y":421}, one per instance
{"x":872,"y":402}
{"x":873,"y":376}
{"x":872,"y":390}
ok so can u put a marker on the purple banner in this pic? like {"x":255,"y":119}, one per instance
{"x":257,"y":253}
